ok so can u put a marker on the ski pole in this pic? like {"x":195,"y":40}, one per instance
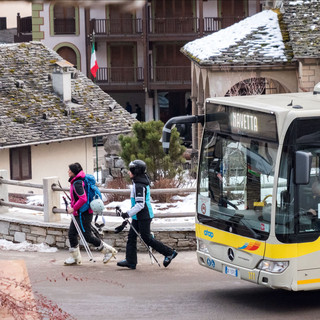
{"x":151,"y":255}
{"x":93,"y":228}
{"x":63,"y":190}
{"x":84,"y":242}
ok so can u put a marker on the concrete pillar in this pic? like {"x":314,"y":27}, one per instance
{"x":51,"y":199}
{"x":4,"y":190}
{"x":156,"y":106}
{"x":149,"y":108}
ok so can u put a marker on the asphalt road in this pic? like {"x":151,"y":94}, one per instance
{"x":182,"y":291}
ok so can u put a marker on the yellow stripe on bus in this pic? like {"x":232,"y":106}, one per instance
{"x":272,"y":251}
{"x":308,"y":281}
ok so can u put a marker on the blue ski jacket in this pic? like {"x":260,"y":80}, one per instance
{"x":140,"y":199}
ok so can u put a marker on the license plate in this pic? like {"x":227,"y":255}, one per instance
{"x":231,"y":271}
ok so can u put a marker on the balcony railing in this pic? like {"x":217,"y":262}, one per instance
{"x":24,"y":29}
{"x":180,"y":25}
{"x":171,"y":74}
{"x":213,"y":24}
{"x":116,"y":26}
{"x":64,"y":26}
{"x":123,"y":75}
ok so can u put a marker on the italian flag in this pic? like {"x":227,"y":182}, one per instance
{"x":93,"y":63}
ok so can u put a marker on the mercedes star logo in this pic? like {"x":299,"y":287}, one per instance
{"x":230,"y":254}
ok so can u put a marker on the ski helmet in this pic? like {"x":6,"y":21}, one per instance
{"x":97,"y":205}
{"x":137,"y":167}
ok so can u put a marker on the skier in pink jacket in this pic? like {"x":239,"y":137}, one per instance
{"x":78,"y":199}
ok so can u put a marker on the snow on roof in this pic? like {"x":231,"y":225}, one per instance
{"x":256,"y":39}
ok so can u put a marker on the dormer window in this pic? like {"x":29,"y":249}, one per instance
{"x":64,"y":18}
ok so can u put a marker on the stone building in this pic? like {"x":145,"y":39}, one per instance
{"x":274,"y":51}
{"x":50,"y":113}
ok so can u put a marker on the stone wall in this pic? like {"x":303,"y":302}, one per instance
{"x":56,"y":235}
{"x":309,"y":74}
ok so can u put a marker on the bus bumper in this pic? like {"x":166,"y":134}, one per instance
{"x":274,"y":281}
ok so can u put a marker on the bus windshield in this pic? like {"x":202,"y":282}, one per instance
{"x":236,"y":177}
{"x":298,"y":206}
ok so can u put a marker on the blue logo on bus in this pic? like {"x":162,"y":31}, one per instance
{"x":208,"y":233}
{"x":211,"y":263}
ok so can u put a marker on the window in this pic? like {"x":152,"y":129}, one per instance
{"x":236,"y":176}
{"x":20,"y":163}
{"x":64,"y":19}
{"x":298,"y":205}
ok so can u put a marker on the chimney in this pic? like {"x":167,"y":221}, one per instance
{"x":61,"y":79}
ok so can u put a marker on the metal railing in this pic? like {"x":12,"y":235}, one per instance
{"x":179,"y":25}
{"x":171,"y":74}
{"x":64,"y":26}
{"x":176,"y":25}
{"x":52,"y":197}
{"x":116,"y":26}
{"x":120,"y":75}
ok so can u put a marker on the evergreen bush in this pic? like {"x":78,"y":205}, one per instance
{"x":144,"y":144}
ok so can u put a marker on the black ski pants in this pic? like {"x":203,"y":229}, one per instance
{"x":143,"y":227}
{"x":86,"y":219}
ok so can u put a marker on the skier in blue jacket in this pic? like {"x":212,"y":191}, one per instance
{"x":141,"y":214}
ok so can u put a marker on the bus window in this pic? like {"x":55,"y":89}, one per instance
{"x":235,"y":182}
{"x":298,"y":206}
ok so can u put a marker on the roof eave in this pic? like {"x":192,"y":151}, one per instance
{"x":19,"y":145}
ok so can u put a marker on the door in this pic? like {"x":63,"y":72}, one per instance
{"x":120,"y":22}
{"x":173,"y":16}
{"x":171,"y":64}
{"x":68,"y":54}
{"x":122,"y":63}
{"x":232,"y":11}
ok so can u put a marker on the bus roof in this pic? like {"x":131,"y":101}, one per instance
{"x":274,"y":103}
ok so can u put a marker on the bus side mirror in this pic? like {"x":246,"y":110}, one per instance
{"x":302,"y":167}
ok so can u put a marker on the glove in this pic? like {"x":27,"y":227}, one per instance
{"x":124,"y":215}
{"x":121,"y":227}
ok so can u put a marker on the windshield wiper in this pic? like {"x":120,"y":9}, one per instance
{"x":238,"y":218}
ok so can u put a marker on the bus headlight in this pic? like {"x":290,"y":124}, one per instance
{"x":273,"y":266}
{"x":202,"y":247}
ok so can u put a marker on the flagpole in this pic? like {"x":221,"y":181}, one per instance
{"x":94,"y":68}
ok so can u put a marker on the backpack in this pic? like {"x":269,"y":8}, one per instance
{"x":92,"y":191}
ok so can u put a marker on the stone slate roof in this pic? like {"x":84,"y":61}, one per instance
{"x":32,"y":113}
{"x":298,"y":22}
{"x":253,"y":41}
{"x":303,"y":22}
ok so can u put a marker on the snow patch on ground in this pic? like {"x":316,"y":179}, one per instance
{"x":6,"y":245}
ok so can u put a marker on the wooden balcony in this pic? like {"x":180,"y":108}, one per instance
{"x":116,"y":27}
{"x":214,"y":24}
{"x":24,"y":29}
{"x":173,"y":77}
{"x":126,"y":78}
{"x":173,"y":25}
{"x":119,"y":78}
{"x":182,"y":28}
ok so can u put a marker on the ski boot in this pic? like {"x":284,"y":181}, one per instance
{"x":168,"y":259}
{"x":125,"y":263}
{"x":108,"y":251}
{"x":75,"y":258}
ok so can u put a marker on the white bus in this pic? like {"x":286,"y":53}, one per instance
{"x":258,"y":188}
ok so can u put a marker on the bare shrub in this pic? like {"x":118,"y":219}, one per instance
{"x":117,"y":183}
{"x":165,"y":183}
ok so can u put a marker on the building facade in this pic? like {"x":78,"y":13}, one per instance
{"x":137,"y":44}
{"x":266,"y":57}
